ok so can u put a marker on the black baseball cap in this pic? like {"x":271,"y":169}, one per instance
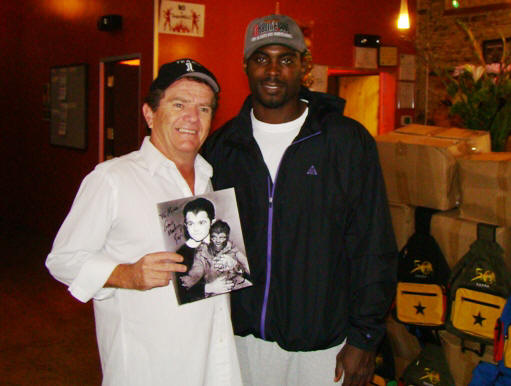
{"x":181,"y":68}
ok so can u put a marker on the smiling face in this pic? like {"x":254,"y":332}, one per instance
{"x":275,"y":74}
{"x":197,"y":225}
{"x":182,"y":120}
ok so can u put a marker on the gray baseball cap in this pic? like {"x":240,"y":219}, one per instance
{"x":273,"y":29}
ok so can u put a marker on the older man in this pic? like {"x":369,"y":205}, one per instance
{"x":110,"y":248}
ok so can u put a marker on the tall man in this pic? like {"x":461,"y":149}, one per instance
{"x":313,"y":209}
{"x":110,"y":247}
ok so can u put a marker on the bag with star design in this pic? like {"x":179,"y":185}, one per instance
{"x":429,"y":368}
{"x":502,"y":342}
{"x":422,"y":277}
{"x":497,"y":374}
{"x":478,"y":289}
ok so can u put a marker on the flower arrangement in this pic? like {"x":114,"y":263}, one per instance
{"x":481,"y":94}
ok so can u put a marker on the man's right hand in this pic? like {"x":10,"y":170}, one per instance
{"x":152,"y":270}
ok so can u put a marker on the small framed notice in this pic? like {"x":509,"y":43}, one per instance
{"x":366,"y":57}
{"x":387,"y":56}
{"x":406,"y":67}
{"x":68,"y":106}
{"x":406,"y":95}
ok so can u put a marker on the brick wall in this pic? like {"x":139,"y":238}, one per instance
{"x":448,"y":45}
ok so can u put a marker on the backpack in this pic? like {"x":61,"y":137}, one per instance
{"x":478,"y":288}
{"x":423,"y":273}
{"x":429,"y":368}
{"x":488,"y":374}
{"x":502,"y":341}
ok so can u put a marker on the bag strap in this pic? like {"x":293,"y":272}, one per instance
{"x":423,"y":219}
{"x":425,"y":334}
{"x":480,"y":352}
{"x":486,"y":232}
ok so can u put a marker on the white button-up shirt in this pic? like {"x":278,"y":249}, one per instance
{"x":144,"y":337}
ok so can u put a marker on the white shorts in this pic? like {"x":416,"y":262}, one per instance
{"x":267,"y":364}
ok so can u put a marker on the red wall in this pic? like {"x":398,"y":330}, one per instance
{"x":334,"y":24}
{"x":39,"y":181}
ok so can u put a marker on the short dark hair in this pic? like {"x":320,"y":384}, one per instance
{"x":154,"y":96}
{"x":220,"y":227}
{"x":198,"y":205}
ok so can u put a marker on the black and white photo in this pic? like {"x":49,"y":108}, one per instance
{"x":206,"y":231}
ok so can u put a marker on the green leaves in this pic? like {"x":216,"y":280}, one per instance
{"x":482,"y":99}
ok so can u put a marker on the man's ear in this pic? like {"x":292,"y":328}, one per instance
{"x":148,"y":115}
{"x":306,"y":64}
{"x":245,"y":66}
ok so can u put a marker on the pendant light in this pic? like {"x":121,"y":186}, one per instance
{"x":404,"y":19}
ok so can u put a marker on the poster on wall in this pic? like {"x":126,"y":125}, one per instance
{"x":181,"y":18}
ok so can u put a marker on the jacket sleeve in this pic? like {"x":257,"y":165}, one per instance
{"x":372,"y":251}
{"x":78,"y":257}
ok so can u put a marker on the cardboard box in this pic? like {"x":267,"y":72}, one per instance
{"x":454,"y":235}
{"x":461,"y":363}
{"x":485,"y":181}
{"x":403,"y":222}
{"x":404,"y":344}
{"x":479,"y":141}
{"x":421,"y":170}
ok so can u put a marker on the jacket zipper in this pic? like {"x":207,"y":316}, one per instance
{"x":271,"y":195}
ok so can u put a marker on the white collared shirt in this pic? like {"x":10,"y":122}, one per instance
{"x":144,"y":337}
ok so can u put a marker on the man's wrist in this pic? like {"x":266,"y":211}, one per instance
{"x":119,"y":277}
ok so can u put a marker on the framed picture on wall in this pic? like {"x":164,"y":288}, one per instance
{"x":68,"y":106}
{"x":387,"y":56}
{"x":366,"y":57}
{"x":493,"y":49}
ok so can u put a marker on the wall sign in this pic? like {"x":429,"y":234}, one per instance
{"x":68,"y":106}
{"x":181,"y":18}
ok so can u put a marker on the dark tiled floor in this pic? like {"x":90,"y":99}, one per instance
{"x":46,"y":336}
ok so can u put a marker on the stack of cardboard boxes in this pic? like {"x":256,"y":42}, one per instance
{"x":454,"y":171}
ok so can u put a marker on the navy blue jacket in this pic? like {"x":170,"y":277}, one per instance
{"x":319,"y":238}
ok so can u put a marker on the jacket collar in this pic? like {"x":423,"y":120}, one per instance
{"x":320,"y":104}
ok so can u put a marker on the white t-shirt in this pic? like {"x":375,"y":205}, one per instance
{"x":144,"y":337}
{"x":273,"y":139}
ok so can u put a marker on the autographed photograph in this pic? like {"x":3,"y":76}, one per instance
{"x":206,"y":231}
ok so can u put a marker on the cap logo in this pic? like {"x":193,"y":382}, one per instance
{"x":269,"y":28}
{"x":189,"y":66}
